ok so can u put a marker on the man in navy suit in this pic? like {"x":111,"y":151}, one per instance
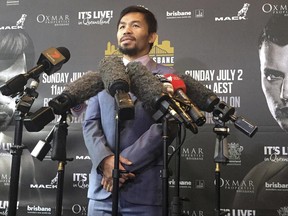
{"x":141,"y":155}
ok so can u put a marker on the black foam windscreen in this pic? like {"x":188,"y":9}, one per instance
{"x":113,"y":75}
{"x":144,"y":85}
{"x":203,"y":97}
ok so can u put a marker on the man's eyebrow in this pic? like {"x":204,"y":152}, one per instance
{"x":133,"y":21}
{"x":273,"y":71}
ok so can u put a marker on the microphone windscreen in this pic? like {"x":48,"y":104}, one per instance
{"x":85,"y":87}
{"x":144,"y":85}
{"x":65,"y":52}
{"x":113,"y":75}
{"x":203,"y":97}
{"x":77,"y":92}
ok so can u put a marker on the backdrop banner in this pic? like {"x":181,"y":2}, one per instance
{"x":214,"y":42}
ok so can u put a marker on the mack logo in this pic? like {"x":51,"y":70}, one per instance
{"x":42,"y":186}
{"x":233,"y":18}
{"x":241,"y":15}
{"x":82,"y":157}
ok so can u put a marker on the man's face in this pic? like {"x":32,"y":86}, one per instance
{"x":274,"y":78}
{"x":132,"y":35}
{"x":7,"y":104}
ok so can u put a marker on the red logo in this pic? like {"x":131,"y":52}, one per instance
{"x":55,"y":54}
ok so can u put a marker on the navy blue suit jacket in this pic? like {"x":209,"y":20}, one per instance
{"x":140,"y":142}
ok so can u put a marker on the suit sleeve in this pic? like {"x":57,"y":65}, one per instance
{"x":94,"y":137}
{"x":148,"y":149}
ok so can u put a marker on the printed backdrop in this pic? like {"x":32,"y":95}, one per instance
{"x":214,"y":42}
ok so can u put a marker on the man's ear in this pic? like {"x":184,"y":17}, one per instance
{"x":153,"y":37}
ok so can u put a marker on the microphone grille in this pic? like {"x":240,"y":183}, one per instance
{"x":65,"y":52}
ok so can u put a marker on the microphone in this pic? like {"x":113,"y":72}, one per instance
{"x":43,"y":146}
{"x":203,"y":97}
{"x":50,"y":61}
{"x":146,"y":87}
{"x":74,"y":93}
{"x":77,"y":92}
{"x":167,"y":86}
{"x":225,"y":113}
{"x":36,"y":121}
{"x":207,"y":101}
{"x":179,"y":91}
{"x":117,"y":82}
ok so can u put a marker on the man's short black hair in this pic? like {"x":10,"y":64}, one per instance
{"x":14,"y":43}
{"x":275,"y":31}
{"x":148,"y":15}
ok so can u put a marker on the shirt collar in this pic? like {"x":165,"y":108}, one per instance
{"x":143,"y":59}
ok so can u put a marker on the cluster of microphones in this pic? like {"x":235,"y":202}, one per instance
{"x":175,"y":96}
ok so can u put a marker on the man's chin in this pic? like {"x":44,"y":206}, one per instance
{"x":128,"y":51}
{"x":283,"y":124}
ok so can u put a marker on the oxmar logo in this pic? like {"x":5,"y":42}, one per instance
{"x":78,"y":209}
{"x":18,"y":25}
{"x":95,"y":17}
{"x":275,"y":9}
{"x":244,"y":186}
{"x":190,"y":153}
{"x":56,"y":20}
{"x":241,"y":15}
{"x":193,"y":212}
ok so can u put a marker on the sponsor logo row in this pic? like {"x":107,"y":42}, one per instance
{"x":104,"y":17}
{"x":81,"y":209}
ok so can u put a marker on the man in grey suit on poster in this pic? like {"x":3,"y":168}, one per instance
{"x":141,"y":138}
{"x":273,"y":56}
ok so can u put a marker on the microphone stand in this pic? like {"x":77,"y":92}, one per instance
{"x":116,"y":171}
{"x":165,"y":171}
{"x":177,"y":201}
{"x":59,"y":153}
{"x":161,"y":114}
{"x":124,"y":111}
{"x":23,"y":105}
{"x":221,"y":114}
{"x":220,"y":157}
